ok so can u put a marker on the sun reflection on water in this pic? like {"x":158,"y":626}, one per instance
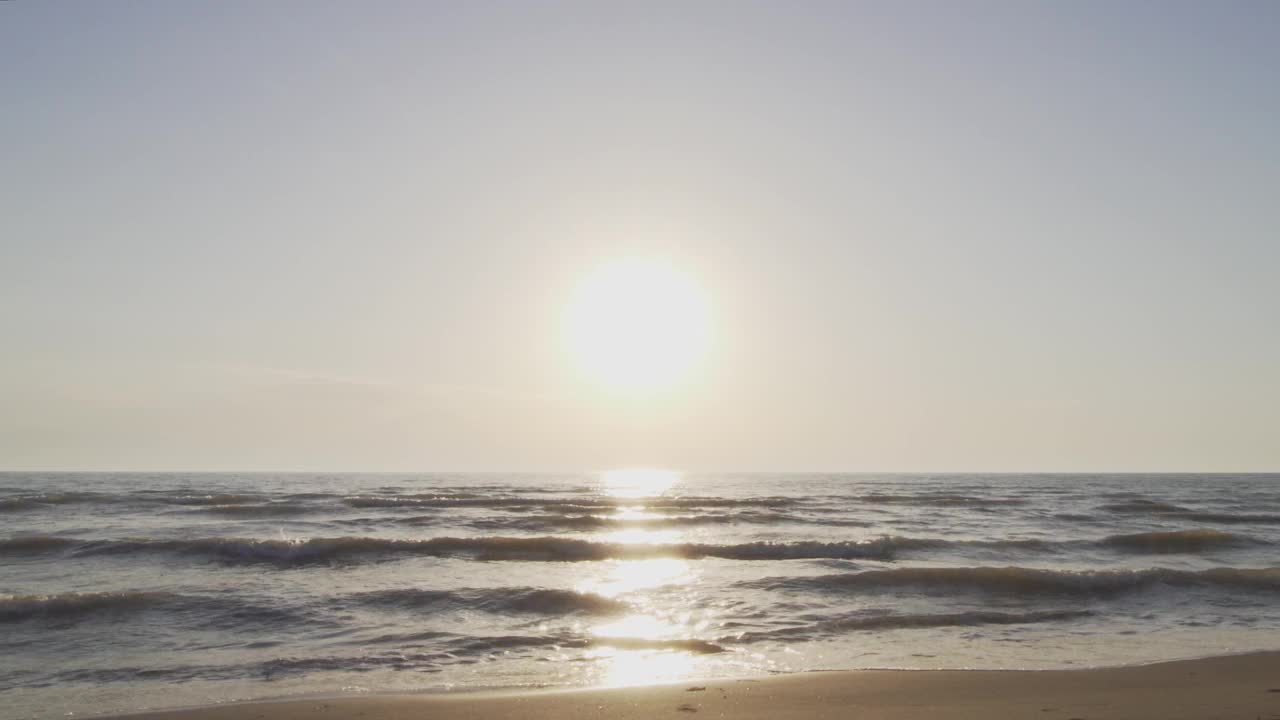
{"x":644,"y":627}
{"x":635,"y":512}
{"x":641,"y":648}
{"x":638,"y":482}
{"x":621,"y":668}
{"x":640,"y":536}
{"x":620,"y":655}
{"x":625,"y":576}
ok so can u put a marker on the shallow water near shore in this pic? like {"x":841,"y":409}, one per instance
{"x":127,"y":591}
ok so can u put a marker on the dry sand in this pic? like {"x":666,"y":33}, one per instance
{"x":1244,"y":687}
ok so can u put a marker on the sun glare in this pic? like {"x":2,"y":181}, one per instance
{"x":624,"y":668}
{"x":637,"y":325}
{"x":625,"y":576}
{"x":638,"y":482}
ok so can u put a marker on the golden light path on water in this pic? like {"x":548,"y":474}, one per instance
{"x":638,"y":482}
{"x":650,"y":622}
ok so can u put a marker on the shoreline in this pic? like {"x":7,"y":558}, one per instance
{"x":1243,"y":685}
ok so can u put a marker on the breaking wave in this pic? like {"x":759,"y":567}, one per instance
{"x":1228,"y":518}
{"x":346,"y":549}
{"x":693,"y":645}
{"x":220,"y":499}
{"x":542,"y":601}
{"x":1029,"y":582}
{"x":1141,"y":506}
{"x":34,"y":545}
{"x":14,"y":608}
{"x":1179,"y":512}
{"x":250,"y":511}
{"x":221,"y":611}
{"x":856,"y":622}
{"x":937,"y":500}
{"x":451,"y":646}
{"x":291,"y":552}
{"x":1176,"y":541}
{"x":31,"y":502}
{"x":588,"y":522}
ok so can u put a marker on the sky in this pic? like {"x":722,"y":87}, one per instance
{"x":927,"y":236}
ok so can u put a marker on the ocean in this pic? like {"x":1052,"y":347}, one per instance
{"x":122,"y":592}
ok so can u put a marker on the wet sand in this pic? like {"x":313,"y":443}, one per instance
{"x":1241,"y":686}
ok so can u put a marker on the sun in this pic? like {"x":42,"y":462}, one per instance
{"x":637,"y":325}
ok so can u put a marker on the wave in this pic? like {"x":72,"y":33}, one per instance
{"x":1030,"y":582}
{"x":448,"y":646}
{"x":311,"y":496}
{"x":34,"y":545}
{"x":129,"y":674}
{"x":542,"y":601}
{"x":575,"y":503}
{"x":1176,"y":541}
{"x":588,"y":522}
{"x":431,"y":659}
{"x":399,"y":638}
{"x":1075,"y":517}
{"x":339,"y":549}
{"x":1179,"y":512}
{"x":861,"y":622}
{"x":269,"y":510}
{"x":507,"y":642}
{"x":443,"y":650}
{"x":221,"y":612}
{"x":1142,"y":507}
{"x":937,"y":500}
{"x":293,"y":552}
{"x":219,"y":499}
{"x":1168,"y":510}
{"x":35,"y":502}
{"x":693,"y":645}
{"x":1227,"y":518}
{"x":15,"y":608}
{"x":1176,"y":512}
{"x":348,"y":549}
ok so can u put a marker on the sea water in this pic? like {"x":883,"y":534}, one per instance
{"x":122,"y":592}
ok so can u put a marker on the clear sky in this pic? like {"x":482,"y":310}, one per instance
{"x":926,"y":236}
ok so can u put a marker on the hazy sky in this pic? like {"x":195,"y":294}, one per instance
{"x":931,"y":236}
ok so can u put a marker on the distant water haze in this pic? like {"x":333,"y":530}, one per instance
{"x":124,"y":591}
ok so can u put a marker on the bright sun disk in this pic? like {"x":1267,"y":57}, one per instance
{"x":637,"y":325}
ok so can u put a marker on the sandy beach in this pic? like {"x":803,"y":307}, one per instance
{"x":1240,"y":686}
